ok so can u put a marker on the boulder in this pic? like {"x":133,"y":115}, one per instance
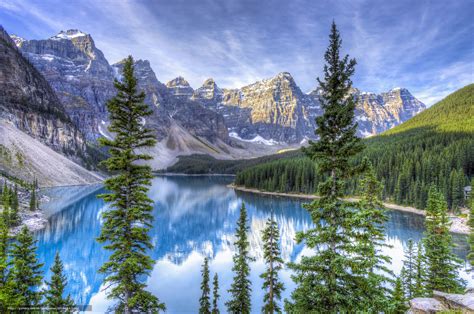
{"x":425,"y":306}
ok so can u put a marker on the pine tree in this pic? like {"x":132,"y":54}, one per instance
{"x":14,"y":218}
{"x":420,"y":272}
{"x":126,"y":224}
{"x":204,"y":301}
{"x":6,"y":195}
{"x":442,"y":264}
{"x":55,"y":291}
{"x":241,"y":289}
{"x":215,"y":295}
{"x":33,"y":204}
{"x":409,"y":272}
{"x":470,"y":256}
{"x":271,"y":253}
{"x":370,"y":268}
{"x":25,"y":275}
{"x":5,"y":291}
{"x":325,"y":281}
{"x":399,"y":302}
{"x":6,"y":200}
{"x":4,"y":245}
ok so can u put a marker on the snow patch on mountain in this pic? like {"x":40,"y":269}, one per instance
{"x":69,"y":34}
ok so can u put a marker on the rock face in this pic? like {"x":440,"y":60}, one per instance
{"x":79,"y":74}
{"x":442,"y":303}
{"x":377,"y":113}
{"x":29,"y":103}
{"x":179,"y":87}
{"x":276,"y":110}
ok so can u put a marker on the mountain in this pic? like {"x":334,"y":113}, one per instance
{"x":255,"y":120}
{"x":179,"y":87}
{"x":275,"y":110}
{"x":376,"y":113}
{"x":36,"y":129}
{"x":83,"y":80}
{"x":79,"y":74}
{"x":270,"y":111}
{"x":434,"y":147}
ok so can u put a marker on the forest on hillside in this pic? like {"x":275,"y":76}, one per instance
{"x":434,"y":148}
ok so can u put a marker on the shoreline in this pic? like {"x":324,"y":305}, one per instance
{"x":179,"y":174}
{"x":458,"y":225}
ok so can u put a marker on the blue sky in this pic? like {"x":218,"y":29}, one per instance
{"x":425,"y":46}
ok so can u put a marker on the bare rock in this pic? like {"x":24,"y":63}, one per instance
{"x":425,"y":306}
{"x":463,"y":302}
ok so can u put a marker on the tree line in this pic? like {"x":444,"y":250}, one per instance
{"x":407,"y":165}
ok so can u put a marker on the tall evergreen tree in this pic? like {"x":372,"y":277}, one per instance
{"x":14,"y":218}
{"x":420,"y":272}
{"x":126,"y":224}
{"x":370,"y":268}
{"x":325,"y":281}
{"x":204,"y":301}
{"x":272,"y":285}
{"x":6,"y":200}
{"x":25,"y":275}
{"x":240,"y":290}
{"x":33,"y":204}
{"x":398,"y":303}
{"x":470,"y":256}
{"x":4,"y":245}
{"x":409,"y":272}
{"x":55,"y":300}
{"x":5,"y":288}
{"x":442,"y":264}
{"x":215,"y":295}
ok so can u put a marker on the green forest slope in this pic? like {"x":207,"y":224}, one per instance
{"x":434,"y":147}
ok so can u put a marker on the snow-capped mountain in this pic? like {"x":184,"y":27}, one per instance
{"x":78,"y":72}
{"x":254,"y":120}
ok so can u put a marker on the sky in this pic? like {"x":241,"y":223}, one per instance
{"x":424,"y":46}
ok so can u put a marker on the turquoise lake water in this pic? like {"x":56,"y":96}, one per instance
{"x":194,"y":217}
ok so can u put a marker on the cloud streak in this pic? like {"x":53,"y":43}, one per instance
{"x":425,"y":46}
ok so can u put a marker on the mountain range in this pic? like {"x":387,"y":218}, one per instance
{"x":255,"y":120}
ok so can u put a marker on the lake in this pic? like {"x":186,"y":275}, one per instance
{"x":194,"y":217}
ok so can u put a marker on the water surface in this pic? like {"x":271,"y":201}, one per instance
{"x":194,"y":217}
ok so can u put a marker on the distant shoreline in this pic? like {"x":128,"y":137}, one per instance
{"x":177,"y":174}
{"x":459,"y":225}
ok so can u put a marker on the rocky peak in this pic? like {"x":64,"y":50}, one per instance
{"x":17,"y":40}
{"x":69,"y":34}
{"x":208,"y":91}
{"x":180,"y":87}
{"x":79,"y":74}
{"x":401,"y":104}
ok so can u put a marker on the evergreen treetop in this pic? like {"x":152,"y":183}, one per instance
{"x":272,"y":285}
{"x":25,"y":276}
{"x":240,"y":290}
{"x":215,"y":295}
{"x":204,"y":301}
{"x":409,"y":270}
{"x":55,"y":300}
